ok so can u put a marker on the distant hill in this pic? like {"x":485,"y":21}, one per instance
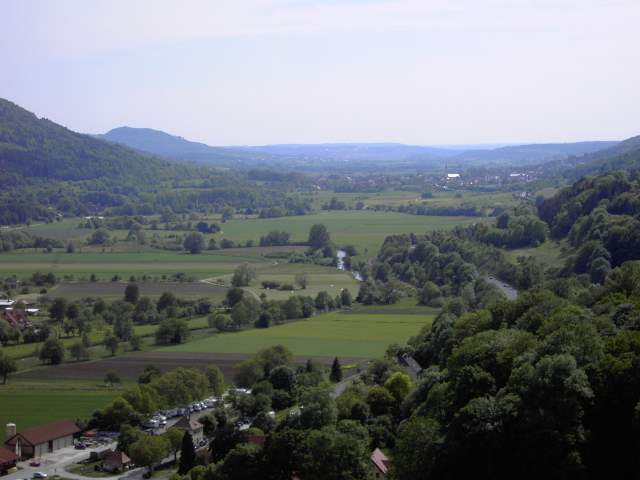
{"x":172,"y":146}
{"x":531,"y":153}
{"x":624,"y":155}
{"x":39,"y":148}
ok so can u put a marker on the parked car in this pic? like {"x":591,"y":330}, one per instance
{"x":39,"y":475}
{"x":34,"y":463}
{"x":80,"y":446}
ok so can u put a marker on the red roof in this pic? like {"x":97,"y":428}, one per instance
{"x":50,"y":431}
{"x":7,"y":456}
{"x":116,"y":457}
{"x":188,"y":424}
{"x":380,"y":460}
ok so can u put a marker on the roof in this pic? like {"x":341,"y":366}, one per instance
{"x":186,"y":423}
{"x":380,"y":460}
{"x":7,"y":456}
{"x":117,"y":457}
{"x":50,"y":431}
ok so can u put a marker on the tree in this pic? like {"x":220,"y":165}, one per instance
{"x":417,"y":448}
{"x":128,"y":436}
{"x":400,"y":385}
{"x":149,"y":450}
{"x":136,"y":342}
{"x":194,"y":243}
{"x":166,"y":300}
{"x":99,"y":237}
{"x":174,"y":436}
{"x":243,"y":275}
{"x":302,"y":280}
{"x":336,"y":371}
{"x":318,"y":236}
{"x":111,"y":378}
{"x":172,"y":331}
{"x":187,"y":454}
{"x":111,"y":343}
{"x":78,"y":351}
{"x":58,"y":309}
{"x":7,"y":367}
{"x":216,"y":380}
{"x":52,"y":351}
{"x":283,"y":378}
{"x":149,"y":373}
{"x":345,"y":297}
{"x":132,"y":293}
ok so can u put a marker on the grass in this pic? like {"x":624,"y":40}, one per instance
{"x":549,"y":253}
{"x":115,"y":290}
{"x":29,"y":404}
{"x":358,"y":333}
{"x":364,"y":229}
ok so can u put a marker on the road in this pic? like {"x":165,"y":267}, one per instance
{"x":510,"y":292}
{"x":55,"y":463}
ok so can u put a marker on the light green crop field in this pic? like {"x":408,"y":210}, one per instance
{"x":29,"y":404}
{"x":364,"y":229}
{"x":342,"y":334}
{"x":105,"y":265}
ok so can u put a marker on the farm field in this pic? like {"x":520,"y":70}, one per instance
{"x":364,"y":229}
{"x":357,"y":334}
{"x":115,"y":290}
{"x":153,"y":263}
{"x":549,"y":253}
{"x":33,"y":403}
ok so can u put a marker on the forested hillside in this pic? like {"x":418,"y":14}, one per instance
{"x":47,"y":170}
{"x":171,"y":146}
{"x":600,"y":217}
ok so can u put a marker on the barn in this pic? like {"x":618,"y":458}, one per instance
{"x":39,"y":441}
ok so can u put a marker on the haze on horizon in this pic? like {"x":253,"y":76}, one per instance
{"x":303,"y":71}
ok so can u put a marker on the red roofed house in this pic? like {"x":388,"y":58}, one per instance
{"x":380,"y":463}
{"x":39,"y":441}
{"x":116,"y":461}
{"x":18,"y":319}
{"x":195,"y":428}
{"x":8,"y":460}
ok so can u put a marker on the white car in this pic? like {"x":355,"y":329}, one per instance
{"x":39,"y":475}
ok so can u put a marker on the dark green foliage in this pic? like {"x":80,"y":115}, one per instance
{"x":187,"y":454}
{"x":336,"y":371}
{"x":52,"y":351}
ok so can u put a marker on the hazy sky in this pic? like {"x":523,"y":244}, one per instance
{"x":284,"y":71}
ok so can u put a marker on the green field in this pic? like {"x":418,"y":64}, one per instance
{"x":364,"y":229}
{"x":549,"y":253}
{"x":28,"y":404}
{"x":347,"y":334}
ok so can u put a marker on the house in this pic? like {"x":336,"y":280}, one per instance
{"x":410,"y":366}
{"x":380,"y":463}
{"x":39,"y":441}
{"x":18,"y":319}
{"x":6,"y":303}
{"x":8,"y":460}
{"x":194,"y":427}
{"x":453,"y":176}
{"x":116,"y":461}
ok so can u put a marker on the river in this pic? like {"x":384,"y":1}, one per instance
{"x":341,"y":254}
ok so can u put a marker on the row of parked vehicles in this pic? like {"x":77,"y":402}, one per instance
{"x":160,"y":418}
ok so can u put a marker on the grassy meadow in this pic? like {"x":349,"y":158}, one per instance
{"x":359,"y":333}
{"x":29,"y":404}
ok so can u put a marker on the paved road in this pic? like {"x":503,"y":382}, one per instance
{"x":510,"y":292}
{"x":55,"y":463}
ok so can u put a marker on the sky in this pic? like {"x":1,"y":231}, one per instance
{"x":243,"y":72}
